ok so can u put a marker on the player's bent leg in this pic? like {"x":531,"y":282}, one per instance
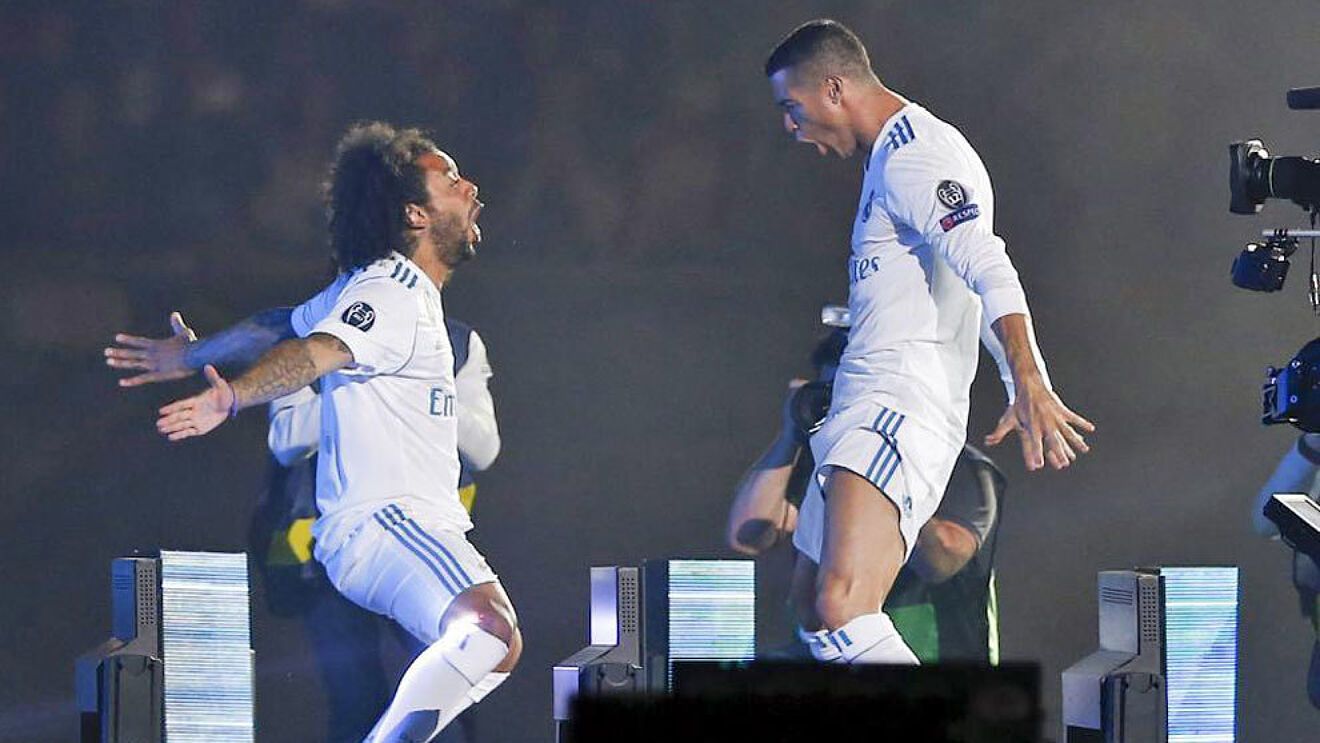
{"x":479,"y":643}
{"x":863,"y":550}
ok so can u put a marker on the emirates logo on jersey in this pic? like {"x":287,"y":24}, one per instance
{"x":359,"y":315}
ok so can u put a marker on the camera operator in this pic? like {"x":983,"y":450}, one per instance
{"x":1298,"y":472}
{"x":943,"y":602}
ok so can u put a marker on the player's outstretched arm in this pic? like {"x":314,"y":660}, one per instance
{"x":1046,"y":427}
{"x":182,"y":353}
{"x":290,"y":366}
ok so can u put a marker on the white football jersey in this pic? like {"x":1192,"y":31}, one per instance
{"x":389,"y":430}
{"x":925,"y":261}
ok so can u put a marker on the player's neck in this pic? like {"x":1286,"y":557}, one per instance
{"x":875,"y":108}
{"x":427,"y":258}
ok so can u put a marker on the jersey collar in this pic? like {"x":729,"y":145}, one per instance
{"x":408,"y":263}
{"x":877,"y":146}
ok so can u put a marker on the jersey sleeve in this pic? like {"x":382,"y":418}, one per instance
{"x":377,"y":319}
{"x":478,"y":431}
{"x":295,"y":426}
{"x":934,"y":191}
{"x":306,"y":315}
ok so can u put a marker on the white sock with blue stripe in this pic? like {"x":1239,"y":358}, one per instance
{"x":821,"y":646}
{"x":447,"y":678}
{"x":872,"y":638}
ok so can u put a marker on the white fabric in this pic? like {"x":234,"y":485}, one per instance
{"x":820,"y":645}
{"x":486,"y":685}
{"x":916,"y":272}
{"x":1294,"y":474}
{"x":389,"y":430}
{"x":872,"y":638}
{"x":441,"y":679}
{"x":905,"y":460}
{"x":407,"y":568}
{"x":295,"y":419}
{"x":478,"y":432}
{"x":295,"y":426}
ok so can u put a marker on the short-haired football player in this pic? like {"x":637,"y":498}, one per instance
{"x":926,"y":272}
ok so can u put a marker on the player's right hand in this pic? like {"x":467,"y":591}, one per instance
{"x":160,"y":359}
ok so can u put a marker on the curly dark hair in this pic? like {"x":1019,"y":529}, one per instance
{"x":374,"y":175}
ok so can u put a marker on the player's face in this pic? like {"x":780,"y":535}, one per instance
{"x":811,"y":115}
{"x":452,"y":207}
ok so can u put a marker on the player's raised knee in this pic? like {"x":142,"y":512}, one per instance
{"x":839,"y":599}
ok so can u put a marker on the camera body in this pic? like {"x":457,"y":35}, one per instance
{"x":1291,"y":393}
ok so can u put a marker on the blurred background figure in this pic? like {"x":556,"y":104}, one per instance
{"x":1298,"y":472}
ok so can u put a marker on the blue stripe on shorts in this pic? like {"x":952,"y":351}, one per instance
{"x":411,"y":547}
{"x":431,"y":544}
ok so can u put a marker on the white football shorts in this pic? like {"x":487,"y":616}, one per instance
{"x":906,"y":462}
{"x":407,"y":567}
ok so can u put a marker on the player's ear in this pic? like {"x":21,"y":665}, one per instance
{"x":834,"y":88}
{"x":414,"y":216}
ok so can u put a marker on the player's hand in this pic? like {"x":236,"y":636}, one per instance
{"x":788,"y":425}
{"x":200,"y":414}
{"x":161,"y":359}
{"x":1046,"y":427}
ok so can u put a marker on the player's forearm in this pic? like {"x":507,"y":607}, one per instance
{"x":290,"y":366}
{"x":244,"y":342}
{"x":1017,"y":339}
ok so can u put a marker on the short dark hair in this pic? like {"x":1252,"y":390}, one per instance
{"x":374,"y":176}
{"x":819,"y":48}
{"x":829,"y":350}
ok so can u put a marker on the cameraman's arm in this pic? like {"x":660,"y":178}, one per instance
{"x":761,"y":514}
{"x":1295,"y":473}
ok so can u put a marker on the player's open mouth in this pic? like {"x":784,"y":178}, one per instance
{"x":476,"y":229}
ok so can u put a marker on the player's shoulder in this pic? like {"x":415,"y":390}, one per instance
{"x":916,"y":138}
{"x":393,"y":273}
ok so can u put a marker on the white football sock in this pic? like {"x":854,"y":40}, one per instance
{"x":448,"y":676}
{"x":486,"y":685}
{"x":821,"y":646}
{"x":871,"y":638}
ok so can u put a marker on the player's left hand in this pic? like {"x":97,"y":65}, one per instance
{"x":200,"y":414}
{"x":1046,"y":427}
{"x":159,"y":359}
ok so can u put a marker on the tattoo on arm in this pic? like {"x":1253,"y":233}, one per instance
{"x":245,"y":342}
{"x":288,"y":367}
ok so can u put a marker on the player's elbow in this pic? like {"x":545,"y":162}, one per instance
{"x":481,"y":455}
{"x":943,"y":550}
{"x":752,"y":536}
